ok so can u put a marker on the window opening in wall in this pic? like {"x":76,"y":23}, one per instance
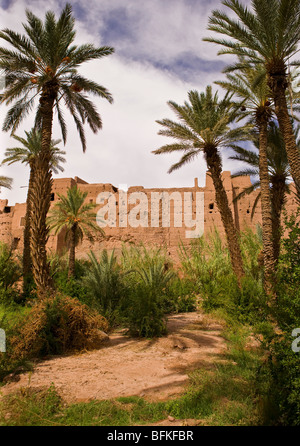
{"x":52,"y":197}
{"x":22,"y":221}
{"x":15,"y":243}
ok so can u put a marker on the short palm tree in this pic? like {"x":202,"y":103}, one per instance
{"x":279,"y":174}
{"x":255,"y":106}
{"x":5,"y":182}
{"x":203,"y":127}
{"x":76,"y":218}
{"x":268,"y":35}
{"x":28,"y":154}
{"x":104,"y":279}
{"x":43,"y":64}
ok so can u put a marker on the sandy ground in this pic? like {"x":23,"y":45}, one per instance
{"x":154,"y":369}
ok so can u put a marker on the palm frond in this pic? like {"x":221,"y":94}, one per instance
{"x":6,"y":182}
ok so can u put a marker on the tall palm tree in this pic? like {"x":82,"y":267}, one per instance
{"x":76,"y":218}
{"x":43,"y":64}
{"x":28,"y":154}
{"x":279,"y":174}
{"x":5,"y":182}
{"x":268,"y":35}
{"x":203,"y":127}
{"x":255,"y":106}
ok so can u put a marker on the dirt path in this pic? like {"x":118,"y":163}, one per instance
{"x":155,"y":369}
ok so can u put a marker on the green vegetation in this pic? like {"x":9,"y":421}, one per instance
{"x":250,"y":283}
{"x":72,"y":215}
{"x":245,"y":388}
{"x":283,"y":370}
{"x":10,"y":273}
{"x":42,"y":77}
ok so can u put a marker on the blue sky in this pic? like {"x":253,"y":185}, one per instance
{"x":159,"y":56}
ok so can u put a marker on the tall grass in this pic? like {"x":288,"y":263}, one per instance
{"x":206,"y":263}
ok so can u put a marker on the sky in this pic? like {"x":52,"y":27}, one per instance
{"x":159,"y":56}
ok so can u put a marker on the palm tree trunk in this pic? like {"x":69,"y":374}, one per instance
{"x":71,"y":272}
{"x":266,"y":207}
{"x":215,"y":168}
{"x":278,"y":85}
{"x":41,"y":195}
{"x":277,"y":197}
{"x":27,"y":264}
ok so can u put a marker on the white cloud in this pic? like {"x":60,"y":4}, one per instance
{"x":121,"y":151}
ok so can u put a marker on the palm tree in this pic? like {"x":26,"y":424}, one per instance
{"x":43,"y":64}
{"x":254,"y":105}
{"x":5,"y":182}
{"x":279,"y":173}
{"x":76,"y":218}
{"x":27,"y":154}
{"x":104,"y":279}
{"x":268,"y":36}
{"x":204,"y":128}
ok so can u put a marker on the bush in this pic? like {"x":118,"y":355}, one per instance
{"x":73,"y":287}
{"x":145,"y":313}
{"x":181,"y":296}
{"x":9,"y":296}
{"x":251,"y":247}
{"x":207,"y":265}
{"x":57,"y":325}
{"x":148,"y":276}
{"x":104,"y":283}
{"x":283,"y":367}
{"x":284,"y":390}
{"x":10,"y":273}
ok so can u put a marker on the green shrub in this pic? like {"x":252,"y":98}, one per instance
{"x":284,"y":391}
{"x":9,"y":267}
{"x":148,"y":276}
{"x":206,"y":263}
{"x":104,"y":282}
{"x":9,"y":296}
{"x":251,"y":246}
{"x":71,"y":286}
{"x":145,"y":313}
{"x":10,"y":273}
{"x":283,"y":367}
{"x":181,"y":296}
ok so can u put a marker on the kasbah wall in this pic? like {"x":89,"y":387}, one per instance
{"x":12,"y":217}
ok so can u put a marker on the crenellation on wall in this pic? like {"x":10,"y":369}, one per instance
{"x":152,"y":226}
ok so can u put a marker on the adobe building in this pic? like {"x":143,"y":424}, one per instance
{"x":155,"y":217}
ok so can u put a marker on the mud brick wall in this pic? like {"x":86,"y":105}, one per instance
{"x":129,"y":208}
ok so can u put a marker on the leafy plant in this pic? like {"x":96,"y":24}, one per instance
{"x":104,"y":281}
{"x":9,"y":267}
{"x":282,"y":371}
{"x":149,"y":277}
